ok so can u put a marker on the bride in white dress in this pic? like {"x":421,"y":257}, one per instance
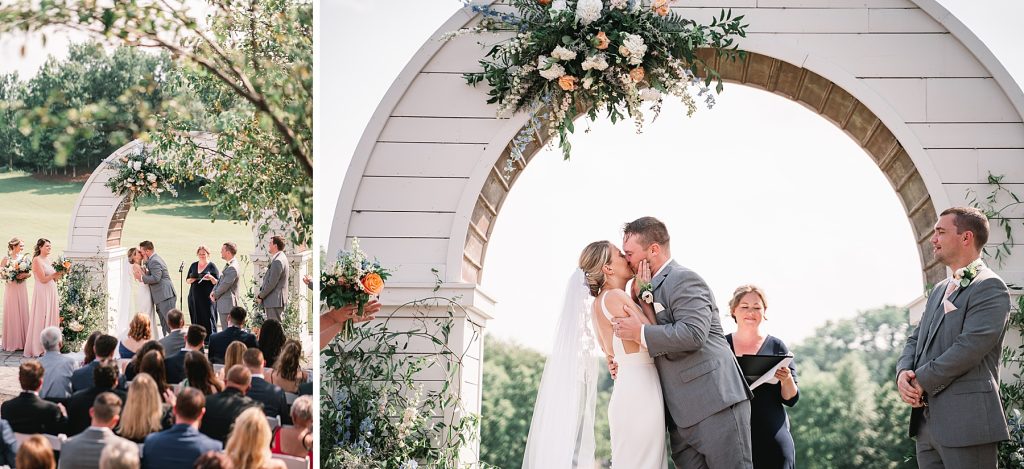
{"x":143,"y":300}
{"x":562,"y":429}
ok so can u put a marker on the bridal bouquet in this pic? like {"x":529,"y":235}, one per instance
{"x":16,"y":267}
{"x":140,"y":174}
{"x":62,"y":264}
{"x":571,"y":56}
{"x":352,"y":280}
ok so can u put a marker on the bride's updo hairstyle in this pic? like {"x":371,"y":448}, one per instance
{"x":131,"y":255}
{"x":13,"y":243}
{"x":594,"y":257}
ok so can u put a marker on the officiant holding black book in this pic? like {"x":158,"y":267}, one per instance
{"x":771,"y":442}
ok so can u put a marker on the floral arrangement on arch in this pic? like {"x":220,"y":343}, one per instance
{"x":83,"y":306}
{"x":596,"y":55}
{"x":138,"y":174}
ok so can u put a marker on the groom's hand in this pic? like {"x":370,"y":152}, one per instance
{"x":613,"y":367}
{"x":910,"y":390}
{"x":627,"y":328}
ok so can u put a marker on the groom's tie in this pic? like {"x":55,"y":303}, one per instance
{"x":947,"y":306}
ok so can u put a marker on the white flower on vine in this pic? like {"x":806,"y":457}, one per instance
{"x":595,"y":62}
{"x":561,"y":53}
{"x":650,"y":94}
{"x":589,"y":11}
{"x":636,"y":47}
{"x":550,"y":72}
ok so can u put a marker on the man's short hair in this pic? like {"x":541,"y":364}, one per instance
{"x":253,"y":358}
{"x":196,"y":335}
{"x":104,"y":376}
{"x":278,"y":241}
{"x":970,"y":219}
{"x":106,"y":406}
{"x":120,"y":454}
{"x":146,"y":245}
{"x":175,"y":318}
{"x":105,"y":346}
{"x":237,"y":315}
{"x":189,"y":403}
{"x":648,"y":230}
{"x":231,"y":247}
{"x":50,"y":338}
{"x":239,"y":376}
{"x":30,"y":375}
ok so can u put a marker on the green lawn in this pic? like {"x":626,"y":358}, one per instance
{"x":31,"y":209}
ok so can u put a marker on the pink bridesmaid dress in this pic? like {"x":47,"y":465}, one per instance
{"x":45,"y":311}
{"x":15,"y":314}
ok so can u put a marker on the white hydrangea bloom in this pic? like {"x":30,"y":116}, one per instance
{"x":589,"y":11}
{"x":561,"y":53}
{"x":595,"y":62}
{"x":559,"y":5}
{"x":650,"y":94}
{"x":551,"y":73}
{"x":636,"y":47}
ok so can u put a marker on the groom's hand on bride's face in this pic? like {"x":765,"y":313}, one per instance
{"x":627,"y":328}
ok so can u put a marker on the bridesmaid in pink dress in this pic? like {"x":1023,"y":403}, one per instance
{"x":45,"y":305}
{"x":15,"y":301}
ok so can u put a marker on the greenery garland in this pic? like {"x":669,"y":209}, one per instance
{"x":83,"y":306}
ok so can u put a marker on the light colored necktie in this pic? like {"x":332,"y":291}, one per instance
{"x":947,"y":306}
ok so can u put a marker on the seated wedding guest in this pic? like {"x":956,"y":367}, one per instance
{"x":83,"y":450}
{"x":174,"y":340}
{"x":233,"y":356}
{"x":105,"y":346}
{"x":8,"y":444}
{"x":132,"y":368}
{"x":175,"y":362}
{"x":199,"y":374}
{"x":121,"y":455}
{"x":144,"y":411}
{"x":89,"y":348}
{"x":105,"y":377}
{"x":332,"y":321}
{"x":287,"y":371}
{"x":153,"y":365}
{"x":223,"y":408}
{"x":213,"y":460}
{"x":272,"y":397}
{"x":28,"y":413}
{"x":220,"y":341}
{"x":35,"y":453}
{"x":771,"y":442}
{"x":247,"y":446}
{"x":140,"y":331}
{"x":271,"y":339}
{"x":306,"y":389}
{"x":297,"y":439}
{"x":59,"y":367}
{"x":181,"y":445}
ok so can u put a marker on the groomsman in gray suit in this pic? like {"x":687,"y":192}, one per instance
{"x":706,"y":396}
{"x":273,"y":294}
{"x":949,"y":369}
{"x":225,"y":290}
{"x":160,"y":286}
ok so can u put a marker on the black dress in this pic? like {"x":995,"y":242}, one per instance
{"x":771,"y":443}
{"x":200,"y":308}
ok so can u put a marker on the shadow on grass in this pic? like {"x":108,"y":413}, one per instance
{"x":24,"y":183}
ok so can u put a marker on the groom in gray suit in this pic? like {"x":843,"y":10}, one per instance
{"x":225,"y":290}
{"x":706,"y":395}
{"x":949,"y":369}
{"x":273,"y":294}
{"x":160,"y":285}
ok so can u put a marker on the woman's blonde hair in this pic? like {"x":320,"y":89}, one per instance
{"x":740,"y":293}
{"x":143,"y":409}
{"x":140,"y":328}
{"x":131,"y":255}
{"x":592,"y":260}
{"x":13,"y":243}
{"x":249,"y":442}
{"x":202,"y":247}
{"x":233,"y":356}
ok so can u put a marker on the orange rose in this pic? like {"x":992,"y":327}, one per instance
{"x":637,"y":74}
{"x":567,"y":82}
{"x":601,"y":41}
{"x":373,"y":284}
{"x":543,"y":2}
{"x":660,"y":7}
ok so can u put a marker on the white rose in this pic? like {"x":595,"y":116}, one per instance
{"x":647,"y":296}
{"x":588,"y":82}
{"x":137,"y":165}
{"x":151,"y":177}
{"x":558,"y":5}
{"x":561,"y":53}
{"x":636,"y":47}
{"x":650,"y":94}
{"x":130,"y":180}
{"x":595,"y":62}
{"x":589,"y":11}
{"x":552,"y":72}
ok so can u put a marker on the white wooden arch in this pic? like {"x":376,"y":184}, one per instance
{"x":97,"y":222}
{"x":905,"y":79}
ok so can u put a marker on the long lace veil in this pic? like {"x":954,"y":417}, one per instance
{"x":562,"y":429}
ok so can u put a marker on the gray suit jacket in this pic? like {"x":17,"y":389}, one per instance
{"x":226,"y":290}
{"x":159,"y":279}
{"x":274,"y":291}
{"x":699,"y":373}
{"x":956,"y":357}
{"x":83,"y":451}
{"x":173,"y":342}
{"x":57,"y":370}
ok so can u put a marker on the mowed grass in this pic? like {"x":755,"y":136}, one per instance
{"x":31,"y":208}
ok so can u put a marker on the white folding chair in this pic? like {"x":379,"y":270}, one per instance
{"x":290,"y":398}
{"x":21,"y":437}
{"x":217,"y":367}
{"x":274,"y":422}
{"x":292,"y":462}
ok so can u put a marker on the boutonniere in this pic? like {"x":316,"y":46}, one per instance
{"x":966,"y":275}
{"x":647,"y":292}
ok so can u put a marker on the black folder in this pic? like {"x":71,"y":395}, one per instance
{"x":755,"y":366}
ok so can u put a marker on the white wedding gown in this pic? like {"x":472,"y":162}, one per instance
{"x":636,"y":412}
{"x":143,"y":303}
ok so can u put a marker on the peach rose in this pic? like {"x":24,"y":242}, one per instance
{"x":543,"y":2}
{"x":373,"y":284}
{"x":660,"y":7}
{"x":637,"y":74}
{"x":601,"y":41}
{"x":567,"y":82}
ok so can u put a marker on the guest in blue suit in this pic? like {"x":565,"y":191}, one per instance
{"x":219,"y":342}
{"x":105,"y":346}
{"x":180,"y":445}
{"x":175,"y":361}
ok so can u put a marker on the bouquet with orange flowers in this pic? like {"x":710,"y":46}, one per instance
{"x":62,"y":264}
{"x":353,"y":280}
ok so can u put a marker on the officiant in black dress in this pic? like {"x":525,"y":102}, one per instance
{"x":200,"y":308}
{"x":771,"y":442}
